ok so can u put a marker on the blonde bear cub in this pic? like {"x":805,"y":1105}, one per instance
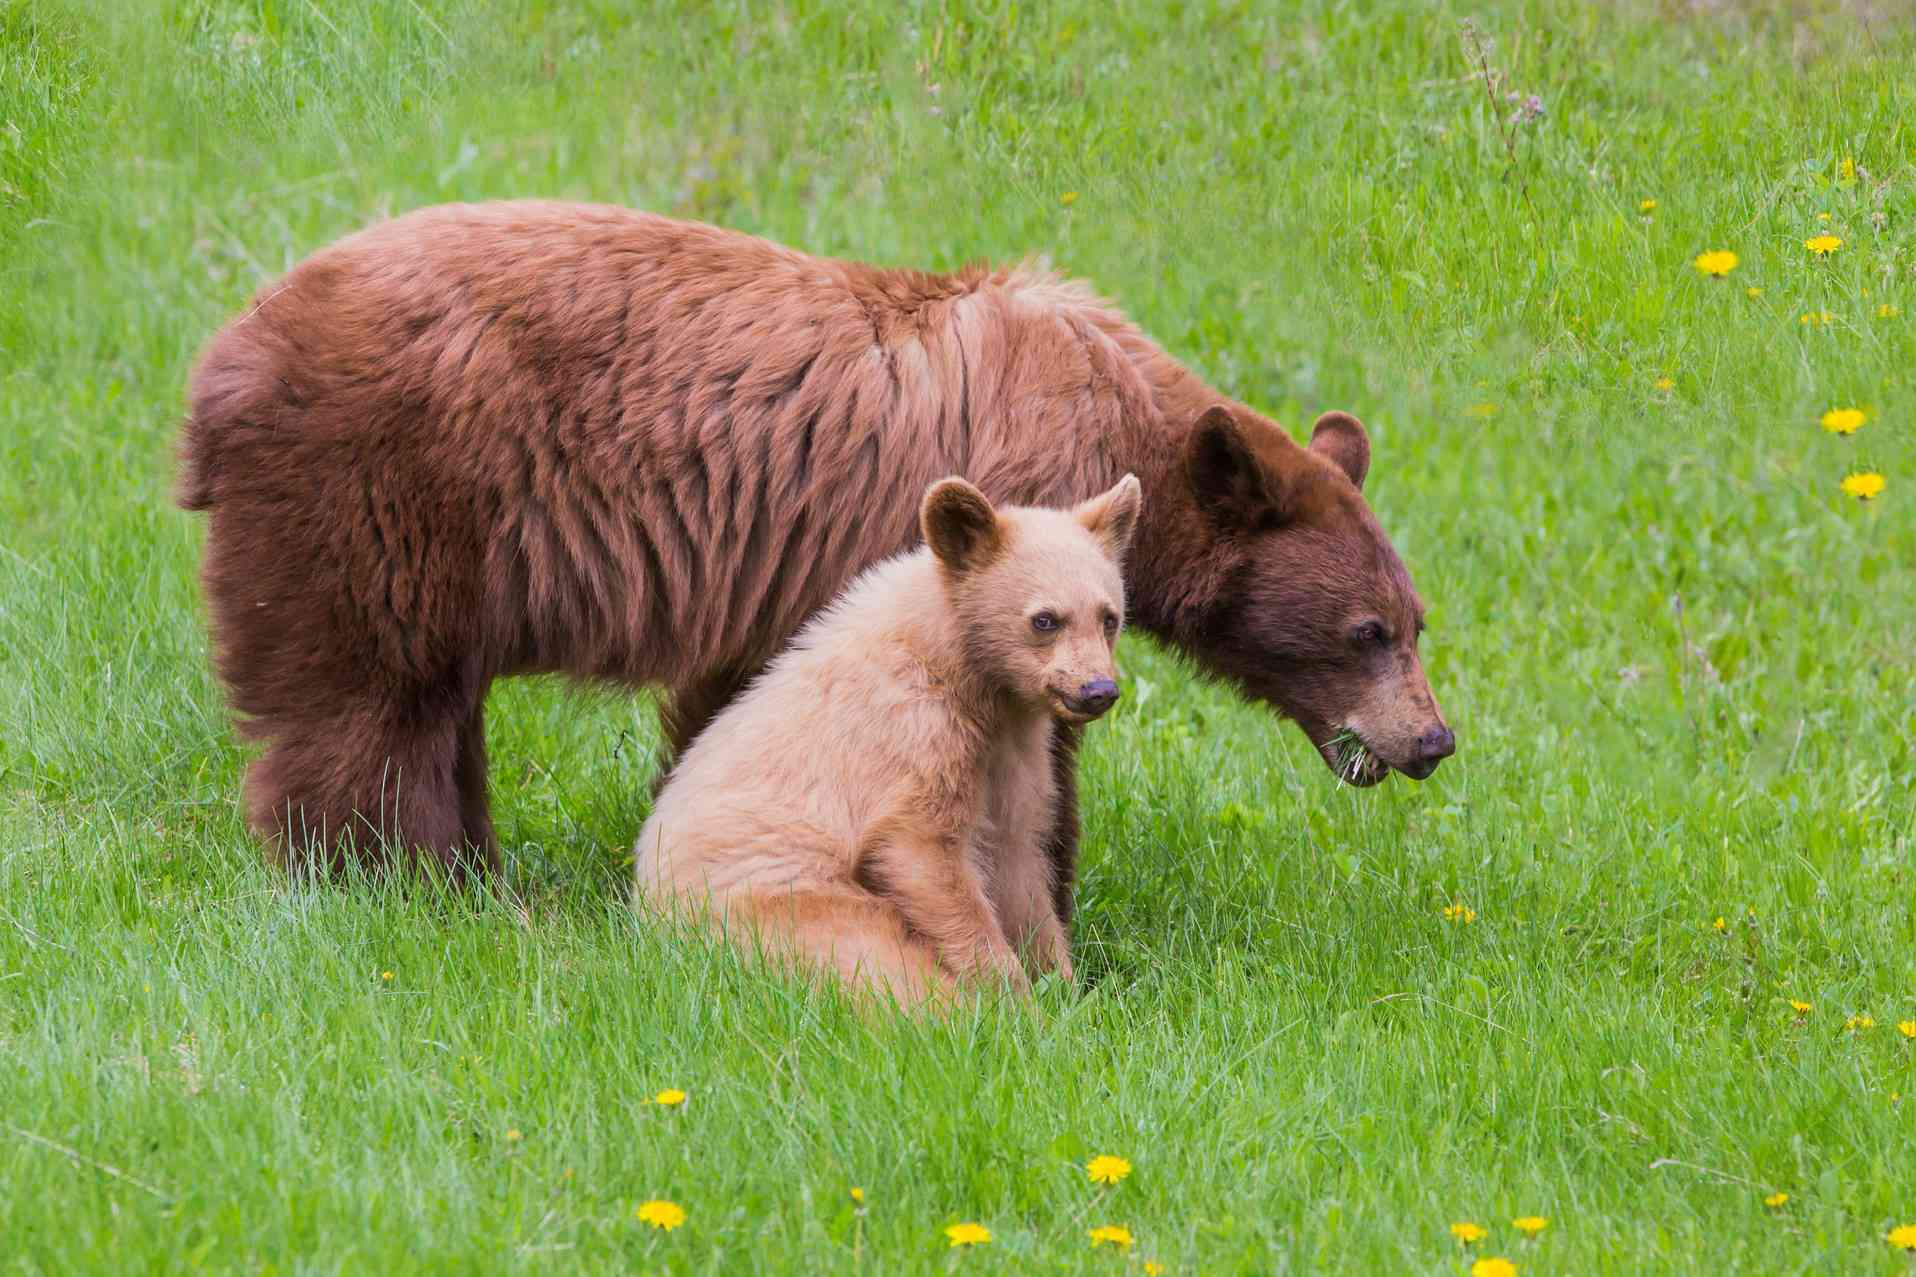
{"x":877,"y":802}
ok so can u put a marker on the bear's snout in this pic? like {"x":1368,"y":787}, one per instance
{"x":1437,"y":744}
{"x":1091,"y":699}
{"x":1433,"y":747}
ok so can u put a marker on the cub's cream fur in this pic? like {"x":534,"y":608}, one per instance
{"x":876,"y":803}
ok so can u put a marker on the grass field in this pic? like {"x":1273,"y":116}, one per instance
{"x":1680,"y":661}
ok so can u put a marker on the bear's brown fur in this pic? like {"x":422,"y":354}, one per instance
{"x":878,"y":801}
{"x":484,"y":440}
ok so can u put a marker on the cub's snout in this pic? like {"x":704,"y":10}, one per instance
{"x":1090,"y":700}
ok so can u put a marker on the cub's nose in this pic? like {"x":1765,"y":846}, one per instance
{"x":1095,"y":697}
{"x":1435,"y":745}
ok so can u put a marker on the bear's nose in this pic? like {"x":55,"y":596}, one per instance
{"x":1436,"y":745}
{"x":1095,"y":697}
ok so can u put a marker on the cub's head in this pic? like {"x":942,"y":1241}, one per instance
{"x":1039,"y":593}
{"x":1308,"y":606}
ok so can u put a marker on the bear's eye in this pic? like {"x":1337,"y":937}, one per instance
{"x":1045,"y":622}
{"x":1370,"y":632}
{"x":1110,"y":623}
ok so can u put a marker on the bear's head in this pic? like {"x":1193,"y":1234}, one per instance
{"x":1039,"y":594}
{"x":1302,"y":601}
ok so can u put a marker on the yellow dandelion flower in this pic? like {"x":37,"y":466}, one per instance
{"x":386,"y":975}
{"x":1903,"y":1237}
{"x":1467,"y":1232}
{"x":1849,"y":169}
{"x":1106,"y":1169}
{"x":1776,"y":1199}
{"x":1801,"y":1008}
{"x":1112,"y":1234}
{"x":858,"y":1195}
{"x":513,"y":1136}
{"x":1152,"y":1268}
{"x":1495,"y":1266}
{"x":1887,"y":311}
{"x":967,"y":1235}
{"x":1752,"y":291}
{"x":1720,"y":924}
{"x":1718,"y":263}
{"x":1530,"y":1225}
{"x":670,"y":1097}
{"x":1646,"y":206}
{"x":1815,"y":318}
{"x":1666,"y":383}
{"x":1460,"y":913}
{"x":1822,"y":217}
{"x":1907,"y":1028}
{"x":1822,"y":245}
{"x":1857,"y":1023}
{"x":1842,"y":421}
{"x":661,"y":1214}
{"x":1068,"y":198}
{"x":1864,"y":486}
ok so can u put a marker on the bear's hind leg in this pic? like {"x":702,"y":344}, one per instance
{"x":849,"y":932}
{"x":359,"y":787}
{"x":686,"y":712}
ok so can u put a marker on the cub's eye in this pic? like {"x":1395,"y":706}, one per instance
{"x":1045,"y":622}
{"x":1371,"y":633}
{"x":1110,"y":623}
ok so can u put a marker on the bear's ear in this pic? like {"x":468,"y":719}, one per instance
{"x":1232,"y":487}
{"x":1340,"y":439}
{"x":960,"y":525}
{"x":1112,"y":517}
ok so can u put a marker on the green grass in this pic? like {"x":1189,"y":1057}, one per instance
{"x":1681,"y":664}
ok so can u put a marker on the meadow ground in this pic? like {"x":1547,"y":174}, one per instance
{"x":1681,"y":662}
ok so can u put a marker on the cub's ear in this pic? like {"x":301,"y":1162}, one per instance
{"x":960,"y":525}
{"x":1112,"y":517}
{"x":1231,"y":486}
{"x":1340,"y":439}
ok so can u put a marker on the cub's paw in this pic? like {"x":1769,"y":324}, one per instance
{"x":1049,"y":950}
{"x":1001,"y":967}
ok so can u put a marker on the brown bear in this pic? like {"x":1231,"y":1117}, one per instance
{"x":878,"y":801}
{"x":531,"y":437}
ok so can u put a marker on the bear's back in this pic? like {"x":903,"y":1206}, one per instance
{"x":640,"y":449}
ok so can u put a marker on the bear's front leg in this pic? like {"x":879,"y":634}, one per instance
{"x":1049,"y":949}
{"x":1061,"y":841}
{"x":1022,"y":890}
{"x":934,"y":884}
{"x":1015,"y":845}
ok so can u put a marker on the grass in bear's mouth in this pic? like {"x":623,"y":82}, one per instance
{"x":1350,"y":755}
